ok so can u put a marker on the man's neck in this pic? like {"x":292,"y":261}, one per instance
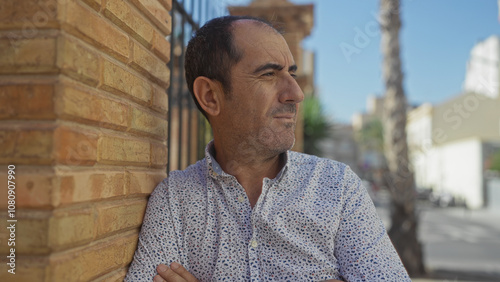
{"x":249,"y":167}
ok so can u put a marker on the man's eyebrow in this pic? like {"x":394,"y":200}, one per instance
{"x":274,"y":66}
{"x":271,"y":66}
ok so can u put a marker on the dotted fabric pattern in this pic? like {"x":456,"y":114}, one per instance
{"x":314,"y":221}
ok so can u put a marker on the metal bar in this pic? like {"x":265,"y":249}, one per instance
{"x":189,"y":14}
{"x":181,"y":82}
{"x":180,"y":9}
{"x":206,"y":11}
{"x":170,"y":87}
{"x":192,"y":9}
{"x":190,"y":123}
{"x":200,"y":3}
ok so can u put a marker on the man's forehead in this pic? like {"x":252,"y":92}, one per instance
{"x":256,"y":37}
{"x":251,"y":30}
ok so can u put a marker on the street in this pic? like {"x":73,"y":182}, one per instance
{"x":459,"y":244}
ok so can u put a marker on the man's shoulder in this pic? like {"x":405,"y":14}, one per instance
{"x":321,"y":169}
{"x":177,"y":180}
{"x":192,"y":172}
{"x":304,"y":161}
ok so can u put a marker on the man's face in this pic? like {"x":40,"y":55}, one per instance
{"x":262,"y":107}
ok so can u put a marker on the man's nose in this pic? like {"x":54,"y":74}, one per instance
{"x":290,"y":91}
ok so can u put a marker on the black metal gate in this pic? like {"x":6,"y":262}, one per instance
{"x":189,"y":131}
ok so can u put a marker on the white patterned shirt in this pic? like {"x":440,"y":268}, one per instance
{"x":314,"y":221}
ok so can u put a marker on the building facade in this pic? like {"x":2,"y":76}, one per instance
{"x":450,"y":143}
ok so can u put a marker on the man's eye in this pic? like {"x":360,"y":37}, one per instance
{"x":268,"y":74}
{"x":294,"y":75}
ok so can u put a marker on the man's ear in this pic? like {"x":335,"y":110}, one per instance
{"x":209,"y":93}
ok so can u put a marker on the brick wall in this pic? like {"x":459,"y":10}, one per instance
{"x":83,"y":116}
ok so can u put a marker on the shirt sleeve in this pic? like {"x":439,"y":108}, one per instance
{"x":158,"y":242}
{"x":362,"y":246}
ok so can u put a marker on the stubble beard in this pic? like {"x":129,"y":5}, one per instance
{"x":266,"y":143}
{"x":277,"y":141}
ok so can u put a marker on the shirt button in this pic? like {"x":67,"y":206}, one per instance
{"x":254,"y":243}
{"x":241,"y":199}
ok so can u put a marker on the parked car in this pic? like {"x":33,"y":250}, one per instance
{"x":442,"y":199}
{"x":423,"y":193}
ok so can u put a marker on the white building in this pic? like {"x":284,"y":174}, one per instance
{"x":483,"y":68}
{"x":450,"y":143}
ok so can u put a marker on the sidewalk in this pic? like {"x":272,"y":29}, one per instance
{"x":459,"y":244}
{"x":484,"y":216}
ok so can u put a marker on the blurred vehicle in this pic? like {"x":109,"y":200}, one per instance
{"x":442,"y":199}
{"x":423,"y":193}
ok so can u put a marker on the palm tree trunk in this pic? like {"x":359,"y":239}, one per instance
{"x":399,"y":177}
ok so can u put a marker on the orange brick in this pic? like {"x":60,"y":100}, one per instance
{"x":8,"y":140}
{"x":26,"y":147}
{"x":32,"y":235}
{"x":93,"y":261}
{"x":34,"y":268}
{"x":9,"y":102}
{"x":120,"y":150}
{"x":71,"y":228}
{"x":161,"y":47}
{"x":34,"y":188}
{"x":167,"y":4}
{"x":91,"y":185}
{"x":114,"y":276}
{"x":95,"y":4}
{"x":40,"y":232}
{"x":27,"y":102}
{"x":35,"y":55}
{"x":118,"y":216}
{"x":128,"y":19}
{"x":85,"y":23}
{"x":75,"y":148}
{"x":146,"y":122}
{"x":160,"y":99}
{"x":120,"y":81}
{"x":77,"y":61}
{"x":156,"y":13}
{"x":159,"y":156}
{"x":28,"y":15}
{"x":67,"y":189}
{"x":31,"y":232}
{"x":140,"y":182}
{"x":92,"y":107}
{"x":148,"y":64}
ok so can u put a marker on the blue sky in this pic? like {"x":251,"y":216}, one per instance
{"x":436,"y":39}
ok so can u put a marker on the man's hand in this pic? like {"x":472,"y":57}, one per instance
{"x":177,"y":273}
{"x":174,"y":273}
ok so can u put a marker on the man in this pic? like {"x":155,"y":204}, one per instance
{"x":252,"y":209}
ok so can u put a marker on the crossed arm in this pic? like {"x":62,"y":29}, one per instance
{"x":177,"y":273}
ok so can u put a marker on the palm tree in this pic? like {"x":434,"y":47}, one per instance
{"x":399,"y":177}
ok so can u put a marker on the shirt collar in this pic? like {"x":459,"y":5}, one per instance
{"x":215,"y":169}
